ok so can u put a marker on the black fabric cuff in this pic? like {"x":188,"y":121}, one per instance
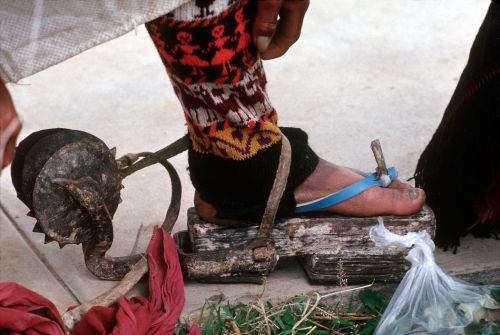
{"x":239,"y":189}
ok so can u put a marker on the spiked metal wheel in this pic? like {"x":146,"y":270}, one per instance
{"x":71,"y":183}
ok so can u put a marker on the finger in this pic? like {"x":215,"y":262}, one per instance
{"x":9,"y":127}
{"x":10,"y":149}
{"x":266,"y":22}
{"x":288,"y":29}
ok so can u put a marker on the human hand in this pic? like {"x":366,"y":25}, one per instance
{"x":9,"y":127}
{"x":273,"y":36}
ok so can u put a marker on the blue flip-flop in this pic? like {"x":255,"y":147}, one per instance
{"x":348,"y":192}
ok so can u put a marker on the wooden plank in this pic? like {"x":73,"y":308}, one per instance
{"x":222,"y":266}
{"x":303,"y":235}
{"x":331,"y":248}
{"x":357,"y":266}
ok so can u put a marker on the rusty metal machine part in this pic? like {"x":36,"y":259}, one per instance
{"x":141,"y":267}
{"x":95,"y":250}
{"x":76,"y":192}
{"x":21,"y":151}
{"x":71,"y":182}
{"x":39,"y":154}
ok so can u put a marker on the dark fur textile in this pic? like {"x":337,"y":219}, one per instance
{"x":460,"y":168}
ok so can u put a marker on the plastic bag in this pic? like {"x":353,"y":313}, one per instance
{"x":428,"y":301}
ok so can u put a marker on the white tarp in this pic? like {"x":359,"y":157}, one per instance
{"x":36,"y":34}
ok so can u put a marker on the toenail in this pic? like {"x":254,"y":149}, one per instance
{"x":414,"y":193}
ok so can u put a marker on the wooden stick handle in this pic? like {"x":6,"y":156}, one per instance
{"x":379,"y":158}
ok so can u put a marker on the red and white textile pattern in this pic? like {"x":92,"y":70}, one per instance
{"x":220,"y":81}
{"x":197,"y":9}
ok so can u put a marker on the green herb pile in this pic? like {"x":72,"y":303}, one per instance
{"x":304,"y":314}
{"x":307,"y":315}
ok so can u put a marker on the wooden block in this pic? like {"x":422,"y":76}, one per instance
{"x":222,"y":266}
{"x":363,"y":265}
{"x":322,"y":243}
{"x":306,"y":235}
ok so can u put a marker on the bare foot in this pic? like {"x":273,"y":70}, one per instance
{"x":398,"y":199}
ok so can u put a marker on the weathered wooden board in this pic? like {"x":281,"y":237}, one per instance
{"x":321,"y":242}
{"x":306,"y":235}
{"x":221,"y":266}
{"x":356,"y":266}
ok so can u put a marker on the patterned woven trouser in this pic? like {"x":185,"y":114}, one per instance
{"x":207,"y":48}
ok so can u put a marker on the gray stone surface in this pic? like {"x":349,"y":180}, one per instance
{"x":476,"y":260}
{"x":361,"y":70}
{"x":20,"y":264}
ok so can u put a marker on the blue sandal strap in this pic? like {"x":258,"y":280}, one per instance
{"x":345,"y":193}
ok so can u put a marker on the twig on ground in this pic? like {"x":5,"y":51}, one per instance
{"x":327,"y":295}
{"x":235,"y":328}
{"x":311,"y":330}
{"x":263,"y":311}
{"x":304,"y":317}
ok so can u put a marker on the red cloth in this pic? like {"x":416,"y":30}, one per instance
{"x":195,"y":330}
{"x":156,"y":315}
{"x":25,"y":312}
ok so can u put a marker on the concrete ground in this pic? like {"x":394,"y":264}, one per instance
{"x":361,"y":70}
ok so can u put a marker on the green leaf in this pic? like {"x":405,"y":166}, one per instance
{"x":321,"y":332}
{"x":299,"y":299}
{"x":472,"y":329}
{"x":373,"y":300}
{"x":495,"y":294}
{"x":240,"y":313}
{"x":298,"y":309}
{"x":287,"y":317}
{"x":228,"y":311}
{"x":341,"y":323}
{"x":489,"y":328}
{"x":253,"y":315}
{"x":207,"y":330}
{"x":369,"y":326}
{"x":279,"y":321}
{"x":219,"y":323}
{"x":269,"y":305}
